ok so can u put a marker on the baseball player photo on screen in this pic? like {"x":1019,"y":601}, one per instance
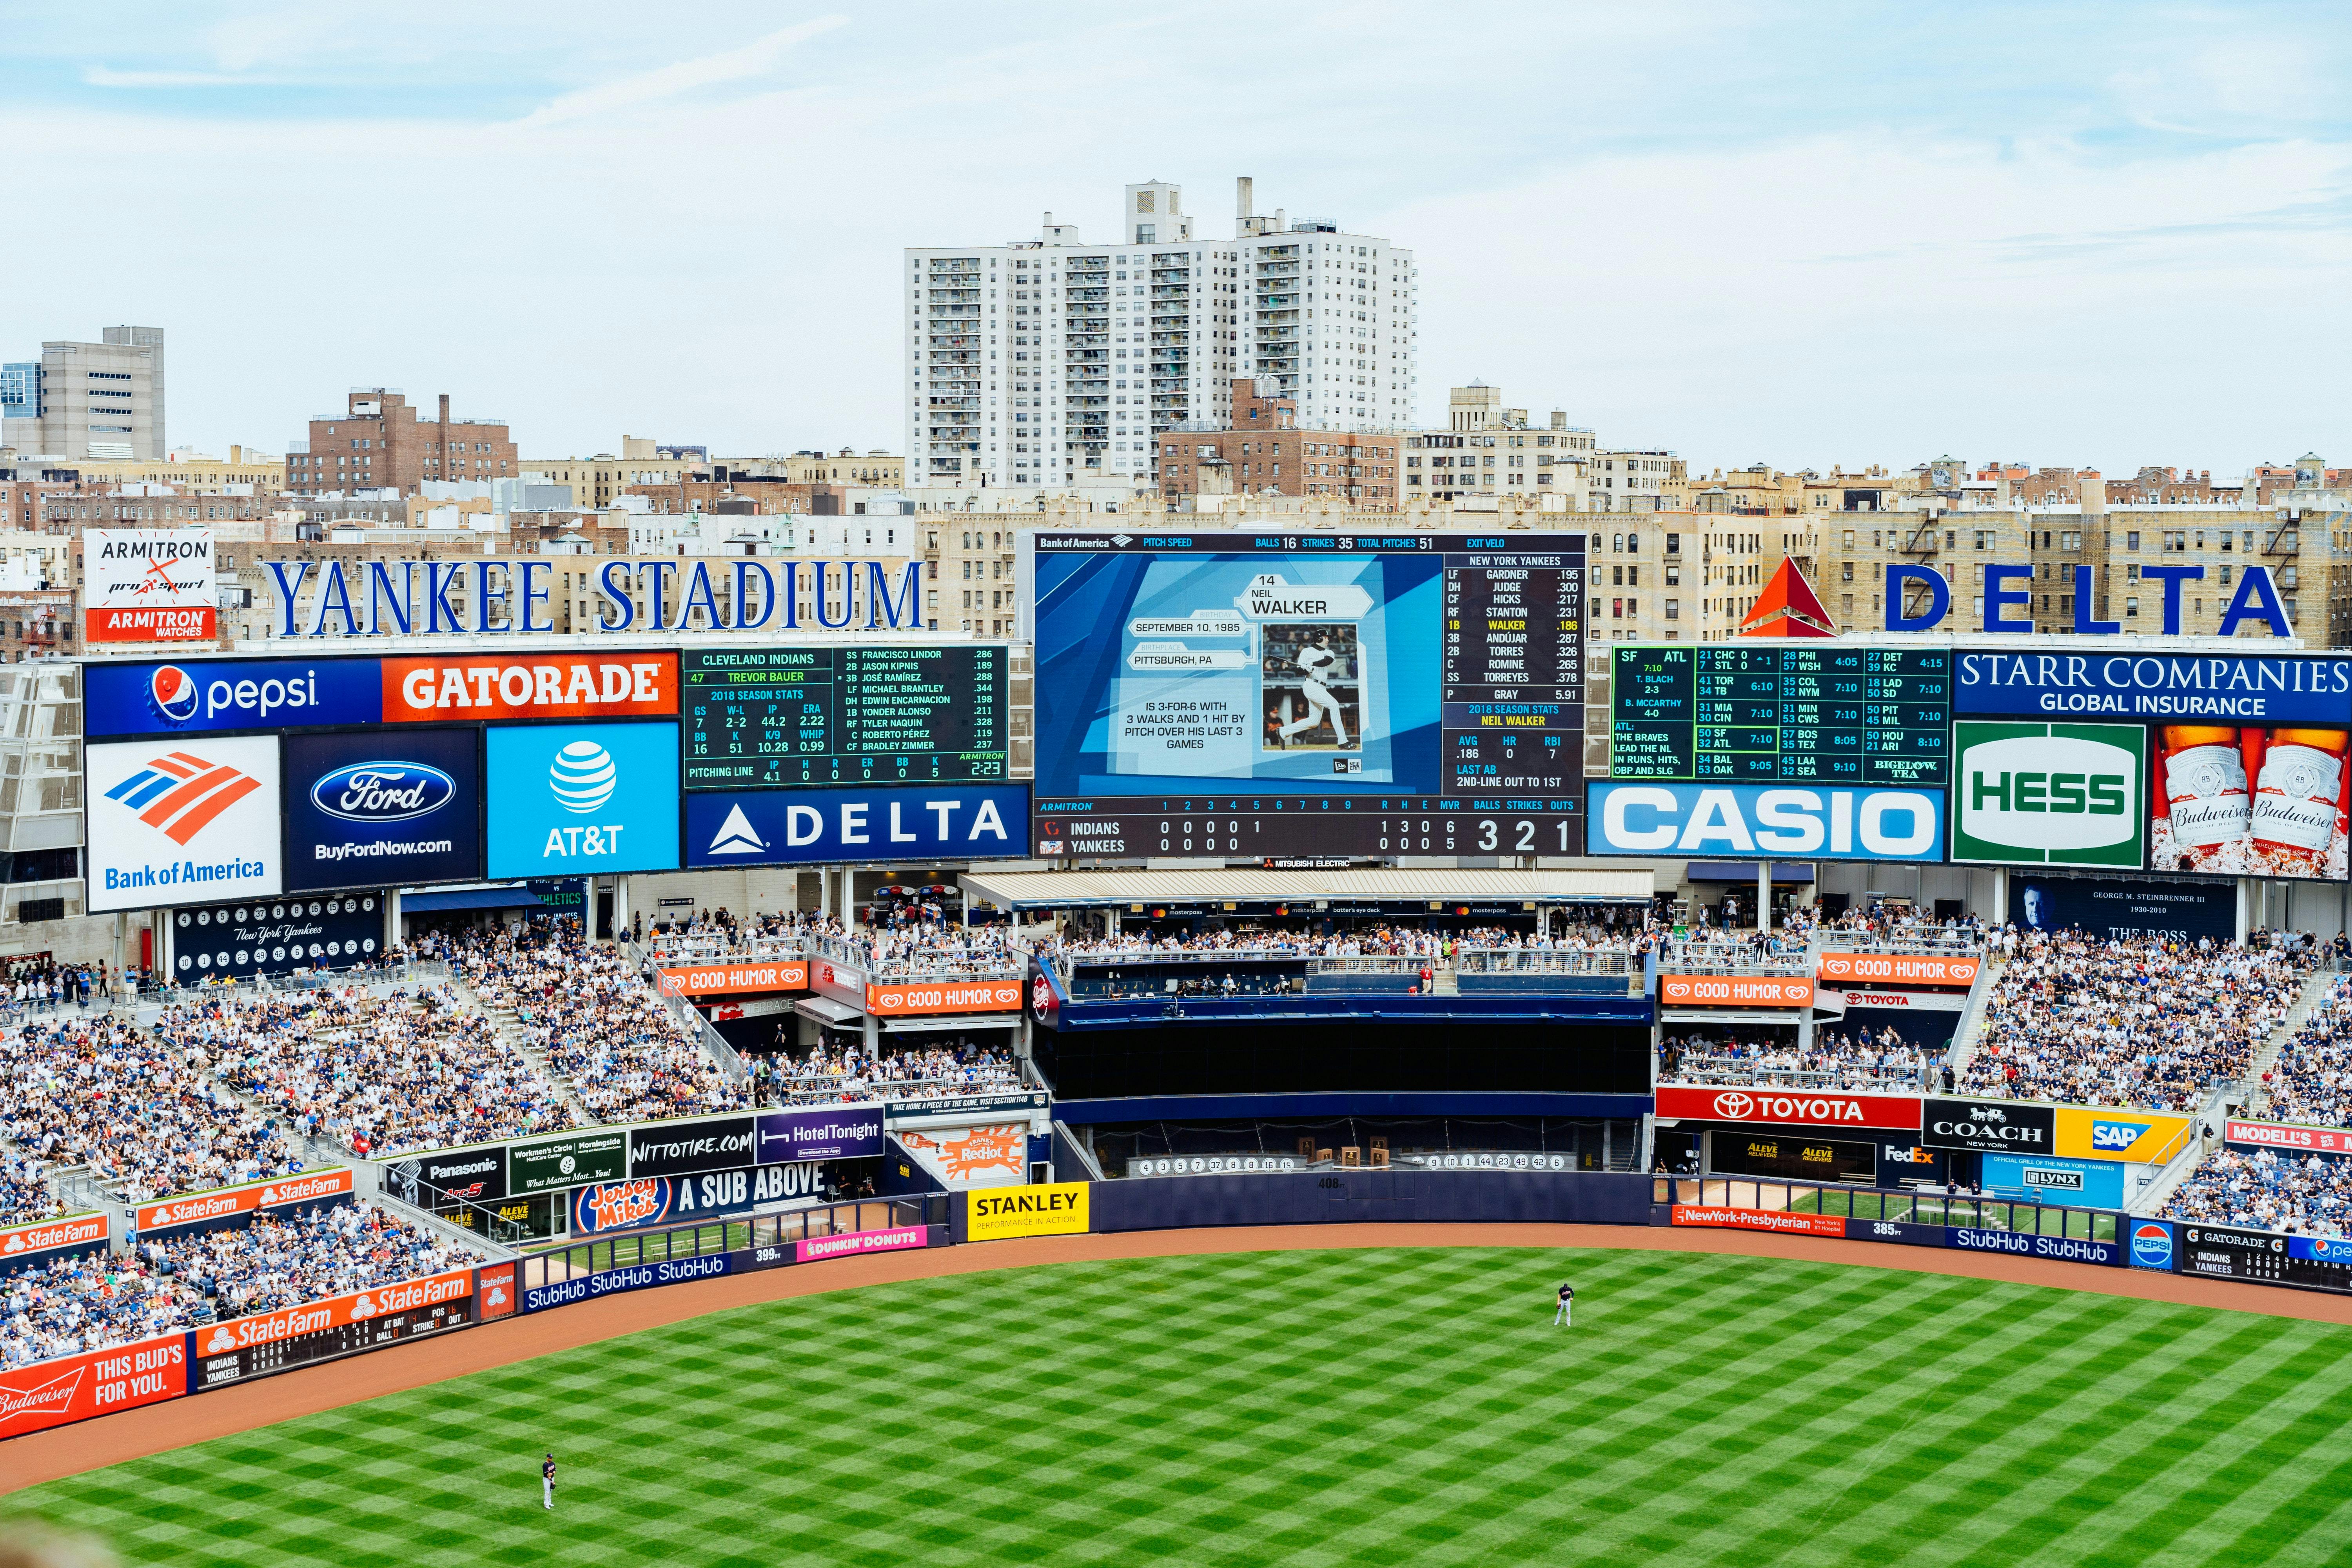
{"x":1310,"y":681}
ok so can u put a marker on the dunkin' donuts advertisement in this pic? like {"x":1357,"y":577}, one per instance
{"x":2249,"y":801}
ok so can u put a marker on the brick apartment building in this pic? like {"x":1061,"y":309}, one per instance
{"x":379,"y":442}
{"x":1265,"y":452}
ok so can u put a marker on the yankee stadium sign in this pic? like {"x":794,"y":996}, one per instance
{"x":413,"y":598}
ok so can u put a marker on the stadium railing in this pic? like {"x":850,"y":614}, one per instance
{"x":747,"y":1233}
{"x":1912,"y":1206}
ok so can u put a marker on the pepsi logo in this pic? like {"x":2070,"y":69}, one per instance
{"x":173,"y":693}
{"x":382,"y":792}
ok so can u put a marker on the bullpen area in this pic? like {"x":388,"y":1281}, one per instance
{"x":1384,"y":1405}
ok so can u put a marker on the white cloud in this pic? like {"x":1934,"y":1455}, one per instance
{"x":756,"y":58}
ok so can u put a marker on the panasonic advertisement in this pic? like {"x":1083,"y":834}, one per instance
{"x":390,"y":808}
{"x":1815,"y":822}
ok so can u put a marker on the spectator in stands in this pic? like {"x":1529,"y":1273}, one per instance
{"x":2266,"y":1191}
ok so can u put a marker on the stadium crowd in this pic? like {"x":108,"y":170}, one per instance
{"x":97,"y":1301}
{"x":2312,"y":1080}
{"x":1859,"y":1062}
{"x":821,"y":1076}
{"x":2266,"y":1189}
{"x":2137,"y":1022}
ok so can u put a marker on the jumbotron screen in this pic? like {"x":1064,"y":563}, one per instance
{"x":1308,"y":694}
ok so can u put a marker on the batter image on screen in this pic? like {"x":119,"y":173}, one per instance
{"x":1309,"y":680}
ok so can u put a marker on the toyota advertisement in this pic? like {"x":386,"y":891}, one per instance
{"x":1791,"y":1108}
{"x":574,"y":800}
{"x":383,"y":808}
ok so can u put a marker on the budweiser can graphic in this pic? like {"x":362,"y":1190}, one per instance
{"x":2205,"y":793}
{"x":2295,"y":816}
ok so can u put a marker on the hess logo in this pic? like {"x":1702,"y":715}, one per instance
{"x":382,"y":792}
{"x":171,"y":692}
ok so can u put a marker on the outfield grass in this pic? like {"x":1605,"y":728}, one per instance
{"x":1321,"y":1408}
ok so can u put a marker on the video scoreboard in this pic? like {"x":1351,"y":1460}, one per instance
{"x":1830,"y":714}
{"x":786,"y":717}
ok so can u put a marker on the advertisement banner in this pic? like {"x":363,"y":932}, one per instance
{"x":964,"y":1104}
{"x":1793,"y":1108}
{"x":268,"y":1342}
{"x":235,"y":1206}
{"x":99,"y":1382}
{"x":276,"y":936}
{"x":617,"y":1281}
{"x":172,"y":827}
{"x":1883,"y":969}
{"x":1723,"y":822}
{"x":922,"y":998}
{"x":2134,"y":1137}
{"x":816,"y":1248}
{"x":35,"y":1246}
{"x":2125,"y":911}
{"x":821,"y":1132}
{"x":621,"y":1205}
{"x":399,"y":808}
{"x":2049,"y":794}
{"x":652,"y":1200}
{"x":1053,"y":1208}
{"x":530,"y":686}
{"x":494,"y":1292}
{"x":1829,"y":1001}
{"x":476,"y":1175}
{"x":2261,"y":689}
{"x":2047,"y":1178}
{"x":203,"y":695}
{"x":148,"y":584}
{"x":2251,"y":802}
{"x":973,"y":1156}
{"x":1740,"y":1153}
{"x":582,"y":799}
{"x":1777,"y":1220}
{"x":719,"y":977}
{"x":2286,"y":1135}
{"x":871,"y":826}
{"x":567,"y":1160}
{"x":672,"y":1149}
{"x":2016,"y":1126}
{"x":1735,"y":990}
{"x":2065,"y":1249}
{"x":2313,"y":1262}
{"x":2152,"y":1245}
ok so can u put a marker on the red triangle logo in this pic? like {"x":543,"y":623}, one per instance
{"x":1787,"y":608}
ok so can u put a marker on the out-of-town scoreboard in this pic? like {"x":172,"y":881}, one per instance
{"x":1830,"y":714}
{"x":785,"y":718}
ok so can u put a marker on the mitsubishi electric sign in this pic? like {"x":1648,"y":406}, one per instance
{"x":2049,"y":794}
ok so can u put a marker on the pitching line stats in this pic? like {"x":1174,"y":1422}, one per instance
{"x":1321,"y":694}
{"x":1825,"y":715}
{"x":785,"y":717}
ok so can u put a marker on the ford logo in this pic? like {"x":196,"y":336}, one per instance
{"x":382,"y":792}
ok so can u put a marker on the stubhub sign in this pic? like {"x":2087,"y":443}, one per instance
{"x":1818,"y":822}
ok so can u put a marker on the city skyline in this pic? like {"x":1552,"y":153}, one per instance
{"x":1739,"y":232}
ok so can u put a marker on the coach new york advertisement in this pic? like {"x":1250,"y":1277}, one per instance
{"x":1176,"y":670}
{"x":173,"y":823}
{"x":395,"y":807}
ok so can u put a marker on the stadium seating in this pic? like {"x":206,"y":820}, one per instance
{"x":1860,"y":1062}
{"x":2312,"y":1080}
{"x":821,"y":1077}
{"x":2266,"y":1189}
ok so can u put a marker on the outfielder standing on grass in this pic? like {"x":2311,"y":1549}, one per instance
{"x":547,"y":1482}
{"x":1567,"y":1299}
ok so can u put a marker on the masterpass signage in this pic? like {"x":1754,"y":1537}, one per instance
{"x":1789,"y":1108}
{"x":2049,"y":794}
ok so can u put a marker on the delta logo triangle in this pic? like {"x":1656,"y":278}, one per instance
{"x":1787,"y":608}
{"x":736,"y":837}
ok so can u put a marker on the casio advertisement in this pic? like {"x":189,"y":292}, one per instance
{"x":396,"y":808}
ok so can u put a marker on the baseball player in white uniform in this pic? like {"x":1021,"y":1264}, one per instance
{"x":1312,"y":661}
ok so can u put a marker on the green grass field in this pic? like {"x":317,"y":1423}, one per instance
{"x":1320,"y":1408}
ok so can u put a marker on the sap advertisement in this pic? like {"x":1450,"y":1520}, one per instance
{"x":396,"y":807}
{"x":1718,"y":820}
{"x":574,"y":800}
{"x":172,"y":824}
{"x":867,"y":827}
{"x":203,"y":695}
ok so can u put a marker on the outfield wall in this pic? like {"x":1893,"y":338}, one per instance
{"x":1354,"y":1196}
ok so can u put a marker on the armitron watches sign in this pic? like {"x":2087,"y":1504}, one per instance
{"x":2049,"y":794}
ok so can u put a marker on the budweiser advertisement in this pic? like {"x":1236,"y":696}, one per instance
{"x":30,"y":1245}
{"x":530,"y":686}
{"x":1735,"y":990}
{"x":905,"y":999}
{"x":229,"y":1206}
{"x":1777,"y":1220}
{"x":148,"y":584}
{"x":1899,"y":968}
{"x":732,"y":979}
{"x":1791,"y":1108}
{"x":2288,"y":1135}
{"x":2250,"y":801}
{"x":99,"y":1382}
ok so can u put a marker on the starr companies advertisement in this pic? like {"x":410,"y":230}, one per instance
{"x":148,"y":584}
{"x":173,"y":825}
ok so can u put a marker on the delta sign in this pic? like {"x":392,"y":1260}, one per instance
{"x":2256,"y":599}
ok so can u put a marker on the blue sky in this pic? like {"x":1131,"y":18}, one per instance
{"x":1801,"y":233}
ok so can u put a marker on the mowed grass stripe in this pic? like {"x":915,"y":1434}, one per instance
{"x":1408,"y":1406}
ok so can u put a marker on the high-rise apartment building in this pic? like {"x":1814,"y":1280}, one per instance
{"x":379,"y":442}
{"x":101,"y":400}
{"x":1051,"y":362}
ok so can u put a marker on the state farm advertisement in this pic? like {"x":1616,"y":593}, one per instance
{"x":148,"y":584}
{"x":28,"y":1245}
{"x":2287,"y":1135}
{"x":972,"y":1156}
{"x":1735,"y":990}
{"x":1776,"y":1220}
{"x":916,"y":998}
{"x":97,"y":1382}
{"x":732,"y":979}
{"x":1789,"y":1108}
{"x":1899,"y":968}
{"x":530,"y":686}
{"x":335,"y":1312}
{"x":228,"y":1205}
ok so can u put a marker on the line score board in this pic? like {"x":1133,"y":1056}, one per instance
{"x":1826,"y":715}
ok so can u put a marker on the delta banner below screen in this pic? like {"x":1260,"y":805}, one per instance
{"x":817,"y":718}
{"x":1237,"y":693}
{"x":1816,"y":714}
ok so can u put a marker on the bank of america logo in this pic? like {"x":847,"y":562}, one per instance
{"x":736,"y":836}
{"x":180,"y":793}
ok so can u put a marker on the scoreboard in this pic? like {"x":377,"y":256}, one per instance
{"x":1828,"y":714}
{"x":787,"y":717}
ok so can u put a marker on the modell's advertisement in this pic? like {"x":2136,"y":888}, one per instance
{"x":2249,"y":801}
